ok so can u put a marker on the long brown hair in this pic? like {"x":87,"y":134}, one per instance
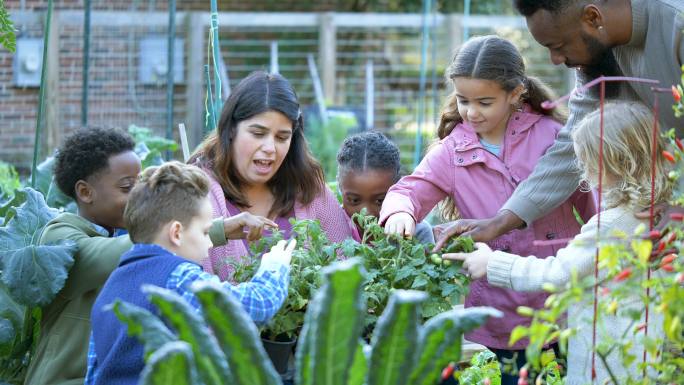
{"x":299,"y":178}
{"x":490,"y":58}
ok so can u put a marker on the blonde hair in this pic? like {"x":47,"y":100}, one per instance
{"x":627,"y":155}
{"x":172,"y":191}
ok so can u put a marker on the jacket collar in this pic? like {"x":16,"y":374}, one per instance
{"x":639,"y":22}
{"x":465,"y":138}
{"x":145,"y":250}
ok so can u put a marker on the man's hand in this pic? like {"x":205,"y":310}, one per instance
{"x":234,"y":226}
{"x":481,"y":230}
{"x":280,"y":254}
{"x":401,"y":224}
{"x":474,"y":263}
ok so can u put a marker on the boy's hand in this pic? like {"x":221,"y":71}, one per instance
{"x":476,"y":262}
{"x":401,"y":224}
{"x":280,"y":254}
{"x":234,"y":226}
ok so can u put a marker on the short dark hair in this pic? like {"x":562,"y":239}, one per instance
{"x":529,"y":7}
{"x":300,"y":176}
{"x":368,"y":150}
{"x":86,"y":152}
{"x":172,"y":191}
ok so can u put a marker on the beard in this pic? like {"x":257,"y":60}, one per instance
{"x":603,"y":64}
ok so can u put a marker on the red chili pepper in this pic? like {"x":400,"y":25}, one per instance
{"x":679,"y":144}
{"x":668,"y":259}
{"x":661,"y":247}
{"x":624,"y":274}
{"x":671,"y":237}
{"x":654,"y":234}
{"x":676,"y":95}
{"x":667,"y":267}
{"x":679,"y":217}
{"x":448,"y":371}
{"x":668,"y":155}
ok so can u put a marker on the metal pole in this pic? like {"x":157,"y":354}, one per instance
{"x":318,"y":88}
{"x":421,"y":90}
{"x":171,"y":50}
{"x":466,"y":15}
{"x":433,"y":80}
{"x":274,"y":57}
{"x":216,"y":56}
{"x":41,"y":97}
{"x":86,"y":63}
{"x":370,"y":95}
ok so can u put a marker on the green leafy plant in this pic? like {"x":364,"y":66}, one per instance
{"x":30,"y":277}
{"x":483,"y":365}
{"x":331,"y":351}
{"x":9,"y":181}
{"x":391,"y":263}
{"x":150,"y":147}
{"x":325,"y":139}
{"x":8,"y":37}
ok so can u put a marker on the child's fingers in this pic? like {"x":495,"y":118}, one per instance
{"x":280,"y":246}
{"x":408,"y":228}
{"x":455,"y":256}
{"x":291,"y":246}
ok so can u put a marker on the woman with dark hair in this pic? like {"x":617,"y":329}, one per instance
{"x":258,"y":161}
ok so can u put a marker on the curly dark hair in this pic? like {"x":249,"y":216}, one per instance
{"x":86,"y":152}
{"x":368,"y":151}
{"x":529,"y":7}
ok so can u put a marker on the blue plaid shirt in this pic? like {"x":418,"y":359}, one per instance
{"x":261,"y":297}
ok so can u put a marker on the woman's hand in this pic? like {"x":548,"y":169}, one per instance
{"x":234,"y":226}
{"x":474,"y":263}
{"x":401,"y":224}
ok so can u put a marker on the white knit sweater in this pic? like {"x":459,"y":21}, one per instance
{"x":530,"y":273}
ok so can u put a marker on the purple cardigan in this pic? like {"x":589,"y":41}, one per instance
{"x":480,"y":184}
{"x":324,"y":208}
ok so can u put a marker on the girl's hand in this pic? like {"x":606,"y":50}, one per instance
{"x":234,"y":226}
{"x":476,"y":262}
{"x":400,"y":223}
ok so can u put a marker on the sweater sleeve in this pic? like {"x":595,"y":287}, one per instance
{"x":531,"y":273}
{"x":261,"y":297}
{"x":328,"y":211}
{"x":555,"y":177}
{"x":95,"y":260}
{"x":418,"y":193}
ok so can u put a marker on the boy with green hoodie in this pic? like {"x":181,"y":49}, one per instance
{"x":97,"y":168}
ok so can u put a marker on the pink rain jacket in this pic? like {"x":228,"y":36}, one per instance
{"x":480,"y":183}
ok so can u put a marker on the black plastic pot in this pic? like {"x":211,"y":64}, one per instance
{"x":279,"y":351}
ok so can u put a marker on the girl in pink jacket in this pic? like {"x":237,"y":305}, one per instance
{"x":258,"y":161}
{"x":492,"y":132}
